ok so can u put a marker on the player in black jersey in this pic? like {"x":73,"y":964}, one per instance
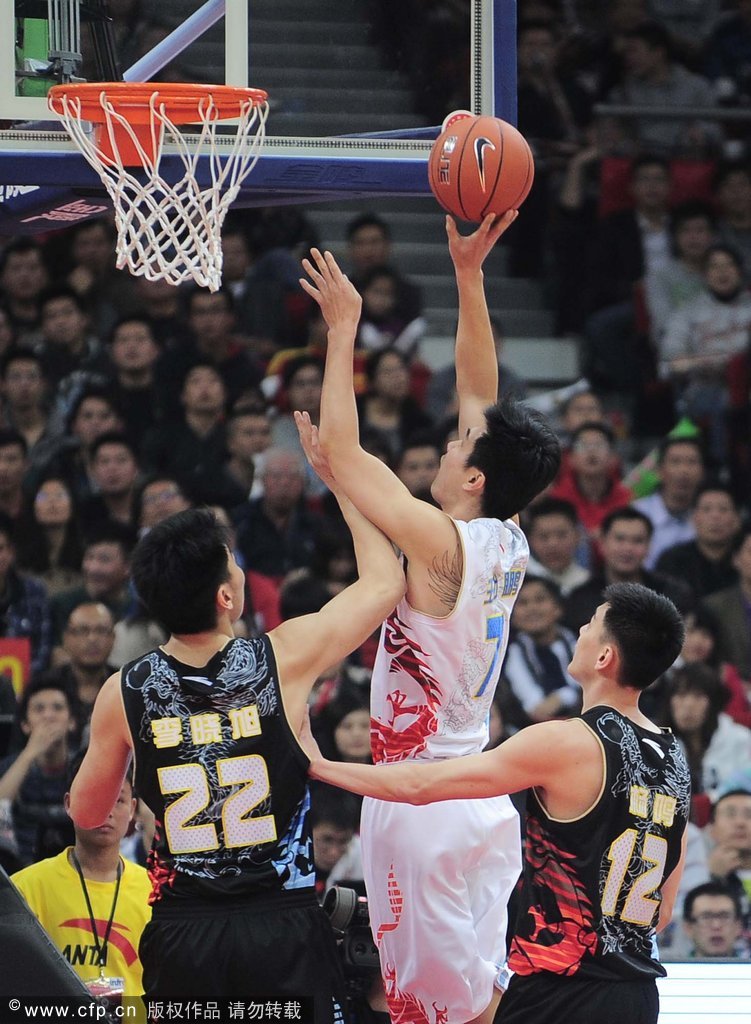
{"x":607,"y":808}
{"x":212,"y":723}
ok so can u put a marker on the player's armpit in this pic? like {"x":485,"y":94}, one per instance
{"x":97,"y":785}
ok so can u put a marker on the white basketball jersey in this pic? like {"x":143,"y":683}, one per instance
{"x":434,"y":678}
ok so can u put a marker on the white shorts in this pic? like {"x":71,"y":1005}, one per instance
{"x":438,"y":879}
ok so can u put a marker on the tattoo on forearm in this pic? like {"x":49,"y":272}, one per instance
{"x":445,"y":577}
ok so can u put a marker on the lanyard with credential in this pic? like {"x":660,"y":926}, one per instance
{"x":100,"y":946}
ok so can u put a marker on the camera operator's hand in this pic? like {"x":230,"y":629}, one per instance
{"x":308,"y":744}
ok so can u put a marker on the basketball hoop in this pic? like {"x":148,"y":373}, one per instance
{"x":165,"y":231}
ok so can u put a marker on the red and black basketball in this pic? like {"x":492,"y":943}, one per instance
{"x":480,"y":165}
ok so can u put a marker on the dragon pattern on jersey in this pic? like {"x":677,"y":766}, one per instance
{"x":397,"y":742}
{"x":558,"y":930}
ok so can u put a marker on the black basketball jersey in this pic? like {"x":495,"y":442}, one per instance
{"x":217,"y":763}
{"x":592,"y":886}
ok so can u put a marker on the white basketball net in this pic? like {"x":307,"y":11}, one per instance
{"x":171,"y":232}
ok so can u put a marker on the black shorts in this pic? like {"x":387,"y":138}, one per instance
{"x":279,"y":947}
{"x":553,"y":999}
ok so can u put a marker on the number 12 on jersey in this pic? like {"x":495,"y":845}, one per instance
{"x":638,"y":908}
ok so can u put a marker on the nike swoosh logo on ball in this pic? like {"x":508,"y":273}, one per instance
{"x":481,"y":144}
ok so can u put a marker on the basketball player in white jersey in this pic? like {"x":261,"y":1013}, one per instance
{"x":438,"y":877}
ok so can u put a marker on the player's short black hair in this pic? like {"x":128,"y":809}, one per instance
{"x":178,"y":567}
{"x":647,"y":629}
{"x":519,"y":455}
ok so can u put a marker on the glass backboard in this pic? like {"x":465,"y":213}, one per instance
{"x":357,"y":88}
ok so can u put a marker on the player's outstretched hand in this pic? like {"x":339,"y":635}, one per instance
{"x":307,"y":741}
{"x":311,"y":445}
{"x":469,"y":251}
{"x":338,"y":298}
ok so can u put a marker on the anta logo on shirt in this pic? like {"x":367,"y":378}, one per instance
{"x":87,"y":954}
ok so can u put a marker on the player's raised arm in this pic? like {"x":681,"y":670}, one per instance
{"x":417,"y":527}
{"x":307,"y":645}
{"x":476,"y":361}
{"x":340,"y":305}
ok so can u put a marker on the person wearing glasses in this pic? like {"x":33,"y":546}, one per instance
{"x":712,"y":921}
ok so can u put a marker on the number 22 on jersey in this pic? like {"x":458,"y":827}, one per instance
{"x":249,"y":772}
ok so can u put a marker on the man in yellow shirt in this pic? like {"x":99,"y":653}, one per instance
{"x":92,"y":903}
